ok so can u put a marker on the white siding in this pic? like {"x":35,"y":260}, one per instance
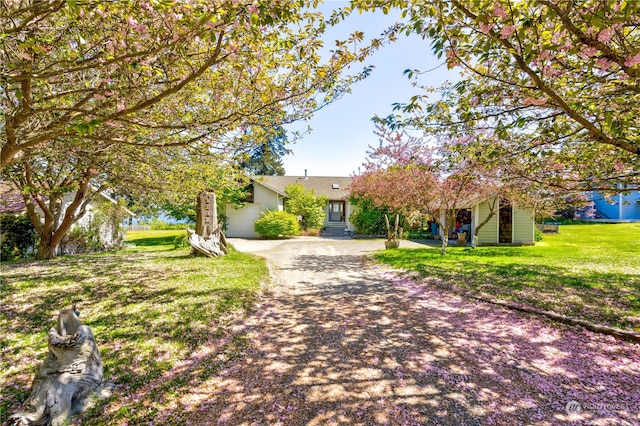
{"x":489,"y":232}
{"x":240,"y":221}
{"x":270,"y":200}
{"x":523,"y":225}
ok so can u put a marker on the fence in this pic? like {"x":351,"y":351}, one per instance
{"x":138,"y":228}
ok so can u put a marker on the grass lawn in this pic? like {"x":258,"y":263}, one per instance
{"x":586,"y":271}
{"x":149,"y":307}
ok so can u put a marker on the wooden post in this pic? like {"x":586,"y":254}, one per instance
{"x":208,"y":238}
{"x":206,"y":214}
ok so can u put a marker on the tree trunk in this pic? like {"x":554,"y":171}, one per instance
{"x":46,"y":250}
{"x":445,"y":242}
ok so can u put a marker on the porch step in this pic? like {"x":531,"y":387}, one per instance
{"x":334,"y":229}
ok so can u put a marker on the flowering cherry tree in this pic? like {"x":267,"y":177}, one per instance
{"x":150,"y":96}
{"x":407,"y":174}
{"x":160,"y":73}
{"x":555,"y":81}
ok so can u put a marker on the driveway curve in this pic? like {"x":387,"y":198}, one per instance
{"x":339,"y":341}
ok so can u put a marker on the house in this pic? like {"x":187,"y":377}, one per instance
{"x":12,"y":202}
{"x":509,"y":225}
{"x":624,"y":206}
{"x":268,"y":193}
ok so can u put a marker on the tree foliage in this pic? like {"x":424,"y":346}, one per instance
{"x":159,"y":73}
{"x":18,"y":236}
{"x":554,"y":82}
{"x":265,"y":156}
{"x":367,"y":217}
{"x":306,"y":205}
{"x":152,"y":98}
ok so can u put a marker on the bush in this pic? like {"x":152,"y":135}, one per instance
{"x":82,"y":239}
{"x":160,"y":225}
{"x":537,"y":234}
{"x":306,"y":205}
{"x":368,"y":219}
{"x":18,"y":236}
{"x":181,"y":241}
{"x":273,"y":224}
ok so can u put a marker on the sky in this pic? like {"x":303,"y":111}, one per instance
{"x":343,"y":130}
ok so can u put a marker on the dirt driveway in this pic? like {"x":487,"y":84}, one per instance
{"x":340,"y":342}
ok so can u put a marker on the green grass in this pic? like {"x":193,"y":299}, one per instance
{"x":587,"y":271}
{"x":149,"y":306}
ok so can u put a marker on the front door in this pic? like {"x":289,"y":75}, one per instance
{"x":505,"y":223}
{"x":336,"y":211}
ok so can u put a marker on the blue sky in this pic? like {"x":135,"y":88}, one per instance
{"x":343,"y":130}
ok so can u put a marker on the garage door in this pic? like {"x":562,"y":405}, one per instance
{"x":240,"y":221}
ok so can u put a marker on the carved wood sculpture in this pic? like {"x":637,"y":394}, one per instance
{"x":69,"y":377}
{"x":208,"y":238}
{"x":393,"y":236}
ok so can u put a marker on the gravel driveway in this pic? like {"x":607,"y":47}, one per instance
{"x":341,"y":342}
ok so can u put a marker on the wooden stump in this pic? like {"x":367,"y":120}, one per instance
{"x":69,"y":378}
{"x":208,"y":239}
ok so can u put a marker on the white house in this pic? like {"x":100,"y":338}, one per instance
{"x":12,"y":202}
{"x":267,"y":193}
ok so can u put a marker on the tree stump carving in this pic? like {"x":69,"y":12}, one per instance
{"x":208,"y":238}
{"x":69,"y":378}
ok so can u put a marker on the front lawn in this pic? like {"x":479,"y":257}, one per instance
{"x":586,"y":271}
{"x":149,"y":308}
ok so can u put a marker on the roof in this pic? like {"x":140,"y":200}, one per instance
{"x":12,"y":201}
{"x":335,"y":188}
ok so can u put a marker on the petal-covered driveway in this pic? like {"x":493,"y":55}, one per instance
{"x":341,"y":342}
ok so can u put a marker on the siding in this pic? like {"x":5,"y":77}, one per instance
{"x":610,"y":209}
{"x":489,"y":232}
{"x":630,"y":208}
{"x":266,"y":197}
{"x":631,"y":205}
{"x":522,"y":227}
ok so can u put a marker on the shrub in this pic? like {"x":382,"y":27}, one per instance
{"x":537,"y":234}
{"x":18,"y":236}
{"x":273,"y":224}
{"x":181,"y":241}
{"x":306,"y":205}
{"x":81,"y":239}
{"x":160,"y":225}
{"x":368,"y":219}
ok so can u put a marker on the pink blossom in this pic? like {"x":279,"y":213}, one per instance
{"x":633,"y":60}
{"x":537,"y":102}
{"x":99,"y":96}
{"x":603,"y":64}
{"x":452,"y":58}
{"x":544,"y":54}
{"x":499,"y":10}
{"x":485,"y":28}
{"x":507,"y":31}
{"x":253,"y":9}
{"x":605,"y":35}
{"x":588,"y":52}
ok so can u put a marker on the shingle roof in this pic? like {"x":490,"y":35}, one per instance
{"x":336,"y":188}
{"x":11,"y":201}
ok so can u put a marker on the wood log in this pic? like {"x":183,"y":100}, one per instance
{"x":69,"y":378}
{"x":212,"y":246}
